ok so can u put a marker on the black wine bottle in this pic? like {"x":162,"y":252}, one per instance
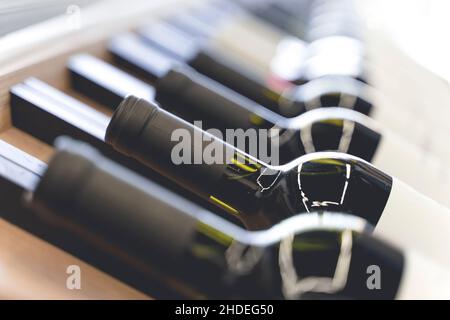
{"x":185,"y":48}
{"x":262,"y":195}
{"x":58,"y":115}
{"x":164,"y":63}
{"x":317,"y":130}
{"x":308,"y":256}
{"x":195,"y":98}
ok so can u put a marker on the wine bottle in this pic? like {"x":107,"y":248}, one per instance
{"x":332,"y":129}
{"x":243,"y":36}
{"x":385,"y":77}
{"x":47,"y":113}
{"x":185,"y":48}
{"x":315,"y":130}
{"x":150,"y":63}
{"x":260,"y":45}
{"x":262,"y":195}
{"x":197,"y":93}
{"x":334,"y":48}
{"x":216,"y":259}
{"x":331,"y":91}
{"x":19,"y":177}
{"x":200,"y":96}
{"x":35,"y":276}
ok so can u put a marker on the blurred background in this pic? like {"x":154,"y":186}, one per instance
{"x":18,"y":14}
{"x":419,"y":27}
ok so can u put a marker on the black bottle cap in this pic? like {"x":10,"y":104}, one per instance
{"x":63,"y":192}
{"x":175,"y":81}
{"x":128,"y":121}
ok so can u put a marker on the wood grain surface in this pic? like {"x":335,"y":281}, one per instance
{"x":33,"y":269}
